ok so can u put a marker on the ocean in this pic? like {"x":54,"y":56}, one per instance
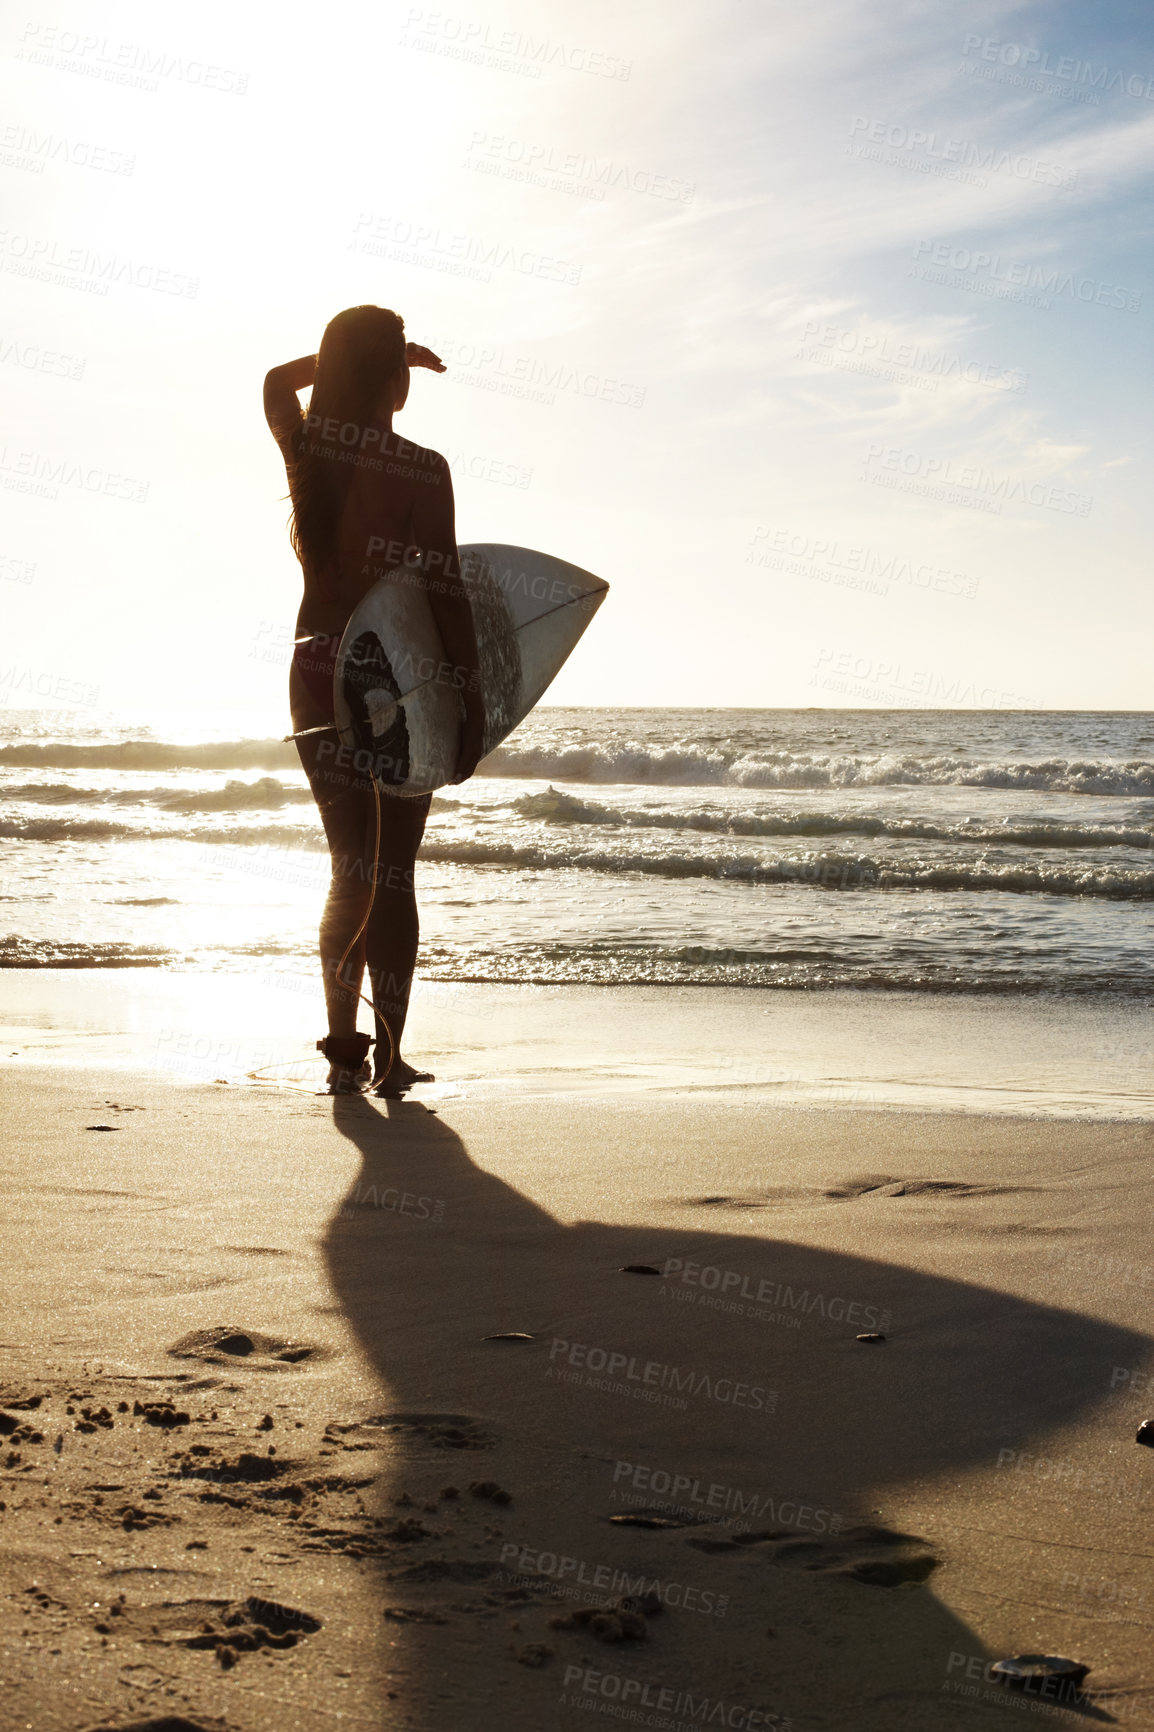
{"x":920,"y":851}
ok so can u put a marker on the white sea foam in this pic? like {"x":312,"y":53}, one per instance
{"x":235,"y":796}
{"x":555,"y":806}
{"x":688,"y":768}
{"x":641,"y":765}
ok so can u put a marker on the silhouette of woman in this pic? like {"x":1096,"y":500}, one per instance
{"x":356,"y":486}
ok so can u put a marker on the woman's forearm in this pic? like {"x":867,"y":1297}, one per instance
{"x":297,"y":375}
{"x":454,"y":619}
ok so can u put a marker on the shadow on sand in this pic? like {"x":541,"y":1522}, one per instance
{"x":780,"y":1588}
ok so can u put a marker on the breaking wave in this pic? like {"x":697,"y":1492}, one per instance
{"x":832,"y":871}
{"x":268,"y":792}
{"x":553,"y":806}
{"x":684,"y":767}
{"x":681,"y":765}
{"x":152,"y":755}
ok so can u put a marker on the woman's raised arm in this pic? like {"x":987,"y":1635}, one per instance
{"x":281,"y":409}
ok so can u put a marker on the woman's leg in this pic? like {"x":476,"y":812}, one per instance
{"x":388,"y":946}
{"x":394,"y":929}
{"x":345,"y":803}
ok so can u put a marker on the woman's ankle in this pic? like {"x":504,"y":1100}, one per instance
{"x":348,"y":1051}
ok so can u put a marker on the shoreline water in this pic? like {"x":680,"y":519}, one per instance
{"x":931,"y":852}
{"x":1029,"y":1058}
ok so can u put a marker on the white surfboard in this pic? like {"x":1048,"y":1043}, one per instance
{"x":397,"y":697}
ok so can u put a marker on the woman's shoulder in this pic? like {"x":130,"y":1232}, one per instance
{"x":414,"y":461}
{"x":404,"y":445}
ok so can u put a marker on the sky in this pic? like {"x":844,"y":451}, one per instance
{"x":821,"y":333}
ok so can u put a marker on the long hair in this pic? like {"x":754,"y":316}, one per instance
{"x":361,"y":350}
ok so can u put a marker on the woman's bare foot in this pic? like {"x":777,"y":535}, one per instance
{"x":399,"y":1078}
{"x":348,"y":1056}
{"x":342,"y":1080}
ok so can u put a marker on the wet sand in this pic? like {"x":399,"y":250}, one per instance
{"x":269,"y":1462}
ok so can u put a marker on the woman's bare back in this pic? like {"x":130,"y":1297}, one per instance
{"x":386,"y":520}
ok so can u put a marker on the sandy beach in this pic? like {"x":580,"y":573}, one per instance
{"x":353,"y":1413}
{"x":610,"y":541}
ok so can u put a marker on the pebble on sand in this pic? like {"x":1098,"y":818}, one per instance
{"x":1033,"y":1672}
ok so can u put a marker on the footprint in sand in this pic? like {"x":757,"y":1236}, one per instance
{"x":877,"y":1556}
{"x":230,"y":1627}
{"x":852,"y":1189}
{"x":163,"y":1723}
{"x":225,"y":1344}
{"x":441,"y":1430}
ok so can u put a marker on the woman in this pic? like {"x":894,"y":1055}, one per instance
{"x":366,"y":504}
